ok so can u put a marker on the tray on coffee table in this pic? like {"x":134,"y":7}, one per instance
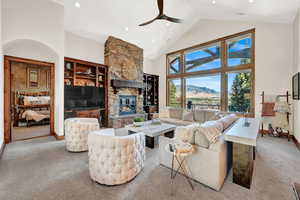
{"x":152,"y":131}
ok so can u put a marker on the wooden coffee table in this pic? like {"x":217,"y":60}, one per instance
{"x":152,"y":131}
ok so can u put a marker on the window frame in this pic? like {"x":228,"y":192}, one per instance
{"x":223,"y":70}
{"x":201,"y":48}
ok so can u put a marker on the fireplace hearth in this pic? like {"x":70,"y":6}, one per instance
{"x":127,"y":105}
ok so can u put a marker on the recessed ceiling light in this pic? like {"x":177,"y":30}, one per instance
{"x":241,"y":13}
{"x":126,"y":29}
{"x":213,"y":1}
{"x":153,"y":41}
{"x":251,"y":1}
{"x":77,"y":5}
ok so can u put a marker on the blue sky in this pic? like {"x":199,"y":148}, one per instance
{"x":213,"y":82}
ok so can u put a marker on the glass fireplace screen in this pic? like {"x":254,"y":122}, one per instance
{"x":127,"y":104}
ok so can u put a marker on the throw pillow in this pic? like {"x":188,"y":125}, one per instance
{"x":187,"y":116}
{"x":209,"y":114}
{"x":218,"y":116}
{"x":212,"y":131}
{"x":175,"y":113}
{"x":164,"y":113}
{"x":200,"y":139}
{"x":217,"y":124}
{"x":228,"y":120}
{"x":186,"y":133}
{"x":199,"y":116}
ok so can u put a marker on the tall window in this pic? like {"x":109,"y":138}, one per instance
{"x":202,"y":96}
{"x":215,"y":75}
{"x":175,"y":98}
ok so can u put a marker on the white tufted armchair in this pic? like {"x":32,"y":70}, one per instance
{"x":76,"y":133}
{"x":114,"y":160}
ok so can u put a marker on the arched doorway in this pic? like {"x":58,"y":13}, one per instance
{"x":27,"y":52}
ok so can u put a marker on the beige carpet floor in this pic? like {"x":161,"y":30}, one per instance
{"x":41,"y":169}
{"x":22,"y":133}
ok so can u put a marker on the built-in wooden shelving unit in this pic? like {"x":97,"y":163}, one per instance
{"x":83,"y":73}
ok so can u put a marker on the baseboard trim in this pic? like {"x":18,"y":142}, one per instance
{"x":2,"y":149}
{"x":296,"y":142}
{"x":59,"y":137}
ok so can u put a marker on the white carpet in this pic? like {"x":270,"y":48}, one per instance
{"x":41,"y":169}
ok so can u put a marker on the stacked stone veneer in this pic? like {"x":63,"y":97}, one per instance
{"x":125,"y":62}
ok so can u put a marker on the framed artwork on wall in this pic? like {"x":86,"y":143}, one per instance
{"x":296,"y":86}
{"x":33,"y":77}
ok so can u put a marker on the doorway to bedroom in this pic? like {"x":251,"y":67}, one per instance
{"x":29,"y":97}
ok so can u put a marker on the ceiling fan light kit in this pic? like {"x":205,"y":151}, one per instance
{"x":161,"y":15}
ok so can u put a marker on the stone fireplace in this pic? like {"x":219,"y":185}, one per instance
{"x":125,"y":80}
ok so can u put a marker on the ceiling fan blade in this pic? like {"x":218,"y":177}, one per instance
{"x":160,"y":4}
{"x":149,"y":22}
{"x":172,"y":19}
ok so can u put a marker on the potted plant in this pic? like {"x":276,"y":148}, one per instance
{"x":138,"y":121}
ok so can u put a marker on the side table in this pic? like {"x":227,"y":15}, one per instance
{"x":179,"y":155}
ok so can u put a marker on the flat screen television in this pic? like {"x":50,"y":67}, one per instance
{"x":296,"y":86}
{"x":83,"y":97}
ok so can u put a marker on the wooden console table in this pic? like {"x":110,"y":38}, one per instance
{"x":244,"y":143}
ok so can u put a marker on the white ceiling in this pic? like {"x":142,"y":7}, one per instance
{"x":97,"y":19}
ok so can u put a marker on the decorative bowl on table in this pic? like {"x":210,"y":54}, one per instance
{"x":138,"y":121}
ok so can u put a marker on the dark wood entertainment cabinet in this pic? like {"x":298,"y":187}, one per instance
{"x":83,"y":73}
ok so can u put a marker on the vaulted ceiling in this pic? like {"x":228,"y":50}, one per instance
{"x":97,"y":19}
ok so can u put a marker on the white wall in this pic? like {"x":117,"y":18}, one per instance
{"x":274,"y":53}
{"x":83,"y":49}
{"x":149,"y":67}
{"x":35,"y":29}
{"x":1,"y":83}
{"x":297,"y":69}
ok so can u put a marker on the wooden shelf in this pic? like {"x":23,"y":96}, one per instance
{"x":85,"y":77}
{"x":35,"y":106}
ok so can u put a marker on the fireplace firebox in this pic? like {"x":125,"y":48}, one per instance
{"x":127,"y":104}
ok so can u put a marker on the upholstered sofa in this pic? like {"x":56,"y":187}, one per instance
{"x":208,"y":164}
{"x":76,"y":133}
{"x":183,"y":117}
{"x":114,"y":159}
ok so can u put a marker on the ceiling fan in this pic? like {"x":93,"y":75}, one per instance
{"x":161,"y":15}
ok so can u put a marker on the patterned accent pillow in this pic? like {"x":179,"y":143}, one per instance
{"x":217,"y":124}
{"x":228,"y":120}
{"x":212,"y":130}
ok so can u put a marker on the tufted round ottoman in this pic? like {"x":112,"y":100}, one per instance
{"x":114,"y":160}
{"x":76,"y":133}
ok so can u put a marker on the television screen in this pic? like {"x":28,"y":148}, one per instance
{"x":296,"y":86}
{"x":78,"y":97}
